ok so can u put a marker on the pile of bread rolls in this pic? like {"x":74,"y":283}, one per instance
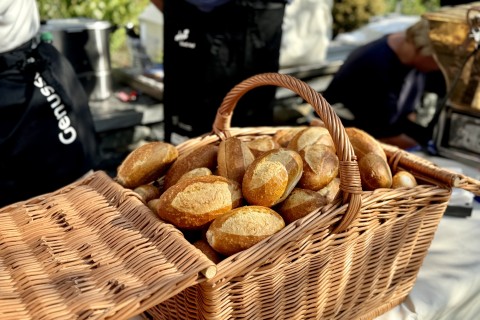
{"x":232,"y":194}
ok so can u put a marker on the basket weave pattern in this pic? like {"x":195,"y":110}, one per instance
{"x":93,"y":250}
{"x":307,"y":272}
{"x":89,"y":251}
{"x":355,"y":258}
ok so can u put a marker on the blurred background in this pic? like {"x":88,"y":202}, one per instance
{"x":106,"y":41}
{"x":347,"y":15}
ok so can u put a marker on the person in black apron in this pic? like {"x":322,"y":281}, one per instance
{"x":210,"y":46}
{"x":47,"y":136}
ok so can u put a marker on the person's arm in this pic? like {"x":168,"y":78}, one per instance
{"x":158,"y":4}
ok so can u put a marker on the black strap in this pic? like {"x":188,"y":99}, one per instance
{"x":17,"y":58}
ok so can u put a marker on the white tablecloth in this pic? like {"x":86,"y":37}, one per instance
{"x":448,"y":283}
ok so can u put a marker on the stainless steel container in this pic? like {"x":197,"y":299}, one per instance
{"x":85,"y":42}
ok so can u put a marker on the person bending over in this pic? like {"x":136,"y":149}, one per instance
{"x":381,"y":83}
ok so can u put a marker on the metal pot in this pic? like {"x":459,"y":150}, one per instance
{"x":86,"y":44}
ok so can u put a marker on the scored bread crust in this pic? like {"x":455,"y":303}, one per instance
{"x":265,"y":183}
{"x":260,"y":145}
{"x":203,"y":156}
{"x":272,"y":176}
{"x":233,"y":158}
{"x":192,"y":203}
{"x":146,"y":164}
{"x":197,"y":172}
{"x":320,"y":166}
{"x":243,"y":227}
{"x":311,"y":136}
{"x":284,"y":136}
{"x":299,"y":203}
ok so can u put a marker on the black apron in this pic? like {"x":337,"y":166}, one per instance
{"x":47,"y":136}
{"x":207,"y":53}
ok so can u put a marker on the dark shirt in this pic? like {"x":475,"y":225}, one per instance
{"x":369,"y":84}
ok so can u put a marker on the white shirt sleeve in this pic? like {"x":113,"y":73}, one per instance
{"x":19,"y":22}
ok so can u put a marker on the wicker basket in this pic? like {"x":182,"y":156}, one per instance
{"x":93,"y":250}
{"x":359,"y":269}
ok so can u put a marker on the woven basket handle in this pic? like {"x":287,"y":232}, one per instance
{"x":350,"y":182}
{"x":427,"y":170}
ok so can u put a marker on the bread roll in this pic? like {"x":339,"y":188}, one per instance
{"x":243,"y":227}
{"x":262,"y":144}
{"x":192,"y":203}
{"x":310,"y":136}
{"x":299,"y":203}
{"x":153,"y":206}
{"x":330,"y":190}
{"x":271,"y":177}
{"x":197,"y":172}
{"x":146,"y":164}
{"x":203,"y":156}
{"x":363,"y":143}
{"x":374,"y":172}
{"x":403,"y":179}
{"x":320,"y":166}
{"x":207,"y":250}
{"x":148,"y":192}
{"x":284,"y":136}
{"x":233,"y":158}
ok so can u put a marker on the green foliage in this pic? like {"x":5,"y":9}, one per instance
{"x":117,"y":12}
{"x":412,"y":7}
{"x":352,"y":14}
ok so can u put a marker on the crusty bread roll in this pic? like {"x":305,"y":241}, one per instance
{"x":197,"y":172}
{"x":271,"y":177}
{"x":403,"y":179}
{"x":330,"y":190}
{"x":192,"y":203}
{"x":146,"y":164}
{"x":243,"y":227}
{"x":310,"y":136}
{"x":363,"y":143}
{"x":262,"y":144}
{"x":284,"y":136}
{"x":234,"y":157}
{"x":299,"y":203}
{"x":203,"y":156}
{"x":153,"y":206}
{"x":204,"y":246}
{"x":374,"y":172}
{"x":320,"y":166}
{"x":148,"y":192}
